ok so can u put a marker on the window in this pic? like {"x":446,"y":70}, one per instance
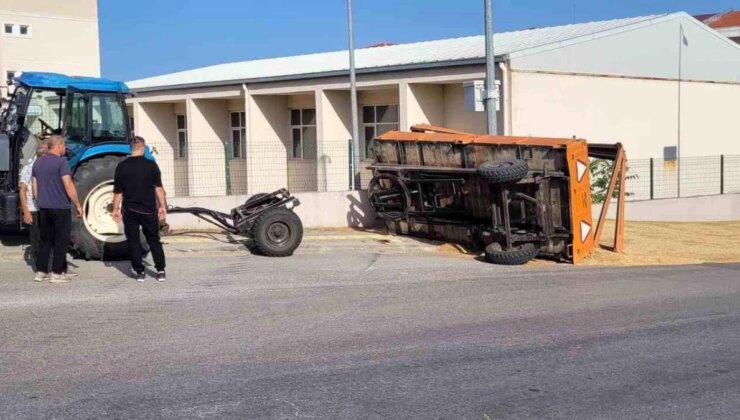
{"x":238,"y":134}
{"x":8,"y":28}
{"x":75,"y":121}
{"x":108,"y":119}
{"x":44,"y":112}
{"x":25,"y":30}
{"x":9,"y":76}
{"x":303,"y":133}
{"x":182,"y":137}
{"x":376,"y":120}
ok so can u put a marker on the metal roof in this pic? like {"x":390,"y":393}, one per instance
{"x":419,"y":54}
{"x":60,"y":81}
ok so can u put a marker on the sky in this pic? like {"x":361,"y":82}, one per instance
{"x":142,"y":38}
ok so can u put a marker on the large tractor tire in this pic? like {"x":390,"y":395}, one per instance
{"x":500,"y":171}
{"x":277,"y":232}
{"x":95,"y":235}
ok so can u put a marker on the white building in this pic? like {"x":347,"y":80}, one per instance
{"x":48,"y":35}
{"x":648,"y":82}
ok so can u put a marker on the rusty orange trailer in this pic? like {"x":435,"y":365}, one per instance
{"x":517,"y":197}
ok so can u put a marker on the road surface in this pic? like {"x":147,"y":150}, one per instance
{"x":363,"y":335}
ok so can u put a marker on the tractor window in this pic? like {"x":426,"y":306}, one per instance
{"x":44,"y":112}
{"x":108,"y":119}
{"x":76,"y":118}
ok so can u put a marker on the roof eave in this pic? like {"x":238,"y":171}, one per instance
{"x":321,"y":75}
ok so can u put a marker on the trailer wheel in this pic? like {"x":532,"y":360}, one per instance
{"x":96,"y":235}
{"x":500,"y":171}
{"x":277,"y":232}
{"x":519,"y":255}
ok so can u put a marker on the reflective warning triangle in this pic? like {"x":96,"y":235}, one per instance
{"x":585,"y":230}
{"x":581,"y":169}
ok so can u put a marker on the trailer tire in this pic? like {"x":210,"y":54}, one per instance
{"x":500,"y":171}
{"x":519,"y":255}
{"x":94,"y":180}
{"x":277,"y":232}
{"x":255,"y":197}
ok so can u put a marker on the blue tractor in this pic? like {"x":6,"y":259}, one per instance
{"x":92,"y":116}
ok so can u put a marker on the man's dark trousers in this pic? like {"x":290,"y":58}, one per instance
{"x":55,"y":228}
{"x":149,"y":224}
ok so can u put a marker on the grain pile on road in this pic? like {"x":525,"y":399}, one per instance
{"x":651,"y":243}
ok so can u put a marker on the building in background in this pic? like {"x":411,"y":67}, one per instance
{"x":728,"y":23}
{"x":48,"y":35}
{"x":652,"y":83}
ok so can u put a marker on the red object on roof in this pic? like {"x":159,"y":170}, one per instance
{"x":721,"y":20}
{"x":382,"y":44}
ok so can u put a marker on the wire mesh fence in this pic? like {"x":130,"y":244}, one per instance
{"x":214,"y":170}
{"x":649,"y":179}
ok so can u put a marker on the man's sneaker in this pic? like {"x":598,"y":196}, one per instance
{"x":140,"y":277}
{"x":59,"y":278}
{"x":161,"y":276}
{"x":71,"y":273}
{"x":40,"y":276}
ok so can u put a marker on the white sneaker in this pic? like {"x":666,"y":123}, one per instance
{"x":41,"y":276}
{"x":59,"y":278}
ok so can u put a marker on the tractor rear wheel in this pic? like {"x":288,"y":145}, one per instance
{"x":277,"y":232}
{"x":95,"y":235}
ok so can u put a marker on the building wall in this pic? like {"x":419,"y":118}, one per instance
{"x":63,"y":38}
{"x":157,"y":120}
{"x":334,"y":121}
{"x":642,"y":114}
{"x":268,"y":145}
{"x":421,"y":103}
{"x":208,"y":125}
{"x":455,"y":114}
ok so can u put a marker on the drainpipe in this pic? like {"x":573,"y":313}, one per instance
{"x":507,"y":107}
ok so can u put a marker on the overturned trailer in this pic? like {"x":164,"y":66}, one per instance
{"x":515,"y":197}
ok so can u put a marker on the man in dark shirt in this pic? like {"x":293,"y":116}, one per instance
{"x":138,"y":184}
{"x":55,"y":194}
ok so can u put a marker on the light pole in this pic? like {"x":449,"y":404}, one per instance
{"x":355,"y":158}
{"x":491,"y":94}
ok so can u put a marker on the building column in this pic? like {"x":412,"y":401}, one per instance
{"x":208,"y":130}
{"x":268,"y":140}
{"x":333,"y":119}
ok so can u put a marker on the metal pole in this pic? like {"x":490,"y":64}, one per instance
{"x":721,"y":174}
{"x":355,"y":158}
{"x":652,"y":179}
{"x":491,"y":97}
{"x":678,"y":143}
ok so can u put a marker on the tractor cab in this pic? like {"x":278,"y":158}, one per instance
{"x":92,"y":116}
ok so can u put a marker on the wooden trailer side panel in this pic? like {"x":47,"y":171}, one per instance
{"x":580,"y":201}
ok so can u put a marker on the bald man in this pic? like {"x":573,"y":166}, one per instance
{"x":55,"y":195}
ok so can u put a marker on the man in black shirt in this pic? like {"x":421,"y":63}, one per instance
{"x":138,"y":183}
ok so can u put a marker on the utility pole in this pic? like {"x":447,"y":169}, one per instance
{"x":355,"y":158}
{"x":491,"y":94}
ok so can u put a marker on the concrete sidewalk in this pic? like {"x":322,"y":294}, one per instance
{"x":182,"y":244}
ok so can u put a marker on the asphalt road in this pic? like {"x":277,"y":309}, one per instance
{"x":371,"y":336}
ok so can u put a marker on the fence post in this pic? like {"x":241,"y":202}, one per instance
{"x":652,"y":180}
{"x":721,"y":174}
{"x":227,"y":166}
{"x":351,"y":165}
